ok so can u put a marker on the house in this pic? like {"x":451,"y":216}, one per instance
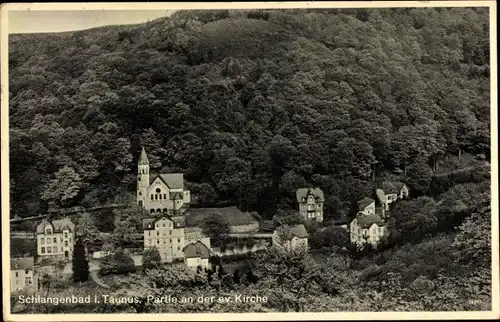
{"x":22,"y":273}
{"x":367,"y":229}
{"x":366,"y":206}
{"x":160,"y":233}
{"x":389,"y":192}
{"x":290,"y":237}
{"x":169,"y":236}
{"x":196,"y":255}
{"x":55,"y":239}
{"x":310,"y":202}
{"x":161,"y":193}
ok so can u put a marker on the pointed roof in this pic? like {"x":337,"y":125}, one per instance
{"x":365,"y":202}
{"x":196,"y":250}
{"x":305,"y":192}
{"x":368,"y":221}
{"x":293,"y":231}
{"x":143,"y":159}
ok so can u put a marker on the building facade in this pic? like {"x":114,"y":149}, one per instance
{"x":367,"y":229}
{"x":389,"y":192}
{"x":197,"y":255}
{"x":162,"y":193}
{"x":55,"y":239}
{"x":310,"y":201}
{"x":290,"y":237}
{"x":366,"y":206}
{"x":170,"y":237}
{"x":22,"y":274}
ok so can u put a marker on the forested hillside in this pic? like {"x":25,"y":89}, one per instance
{"x":249,"y":105}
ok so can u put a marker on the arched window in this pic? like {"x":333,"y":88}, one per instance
{"x":152,"y":211}
{"x":156,"y":196}
{"x":165,"y":196}
{"x":160,"y":196}
{"x":158,"y":210}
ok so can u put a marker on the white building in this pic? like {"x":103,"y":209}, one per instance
{"x":290,"y":237}
{"x":55,"y":239}
{"x":170,"y":236}
{"x":310,"y":201}
{"x":197,"y":255}
{"x":22,"y":274}
{"x":389,"y":192}
{"x":162,"y":193}
{"x":367,"y":229}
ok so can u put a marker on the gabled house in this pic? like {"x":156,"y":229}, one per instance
{"x":366,"y":206}
{"x":55,"y":239}
{"x":367,"y":229}
{"x":310,"y":201}
{"x":197,"y":255}
{"x":22,"y":273}
{"x":290,"y":237}
{"x":389,"y":192}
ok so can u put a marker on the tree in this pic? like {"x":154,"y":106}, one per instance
{"x":80,"y":262}
{"x":419,"y":177}
{"x":87,"y":231}
{"x":63,"y":188}
{"x":117,"y":263}
{"x":216,"y":227}
{"x":151,"y":257}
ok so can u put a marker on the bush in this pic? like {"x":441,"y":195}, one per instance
{"x":117,"y":263}
{"x":151,"y":258}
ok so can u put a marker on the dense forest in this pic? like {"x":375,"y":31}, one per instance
{"x":251,"y":105}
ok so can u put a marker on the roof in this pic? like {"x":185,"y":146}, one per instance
{"x":195,"y":250}
{"x":175,"y":195}
{"x":148,"y":221}
{"x":58,"y":225}
{"x":365,"y":202}
{"x":305,"y":192}
{"x":294,"y":231}
{"x":172,"y":180}
{"x":367,"y":221}
{"x":143,"y":159}
{"x":389,"y":187}
{"x":399,"y":185}
{"x":234,"y":216}
{"x":22,"y":263}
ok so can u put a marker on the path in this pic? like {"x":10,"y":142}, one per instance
{"x":93,"y":270}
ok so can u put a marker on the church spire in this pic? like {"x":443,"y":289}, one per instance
{"x":143,"y":159}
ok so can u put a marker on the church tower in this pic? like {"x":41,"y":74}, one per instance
{"x":142,"y":178}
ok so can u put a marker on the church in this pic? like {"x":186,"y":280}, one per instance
{"x":163,"y":193}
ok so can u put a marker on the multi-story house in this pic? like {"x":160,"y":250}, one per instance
{"x":196,"y":255}
{"x":22,"y":273}
{"x":389,"y":192}
{"x":161,"y":193}
{"x":367,"y":229}
{"x":310,"y":202}
{"x":290,"y":237}
{"x":170,"y":236}
{"x":55,"y":239}
{"x":366,"y":206}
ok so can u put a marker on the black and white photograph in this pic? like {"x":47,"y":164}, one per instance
{"x":223,"y":159}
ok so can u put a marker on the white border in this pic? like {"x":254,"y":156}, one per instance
{"x":5,"y":8}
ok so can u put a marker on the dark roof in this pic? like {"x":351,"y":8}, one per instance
{"x":363,"y":203}
{"x":58,"y":225}
{"x":22,"y":263}
{"x":234,"y":216}
{"x":195,"y":250}
{"x":399,"y":185}
{"x":367,"y":221}
{"x":389,"y":187}
{"x":179,"y":221}
{"x":294,"y":231}
{"x":143,"y":159}
{"x":175,"y":195}
{"x":172,"y":180}
{"x":305,"y":192}
{"x":148,"y":221}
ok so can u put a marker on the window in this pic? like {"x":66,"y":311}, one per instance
{"x":164,"y":196}
{"x":69,"y":238}
{"x":160,"y":196}
{"x":65,"y":235}
{"x":178,"y":247}
{"x":158,"y":190}
{"x":42,"y":240}
{"x":149,"y":233}
{"x":152,"y":196}
{"x":163,"y":225}
{"x":27,"y":271}
{"x":178,"y":240}
{"x":55,"y":240}
{"x":66,"y":243}
{"x":54,"y":249}
{"x":17,"y":274}
{"x":157,"y":241}
{"x":43,"y":250}
{"x":48,"y":241}
{"x":49,"y":250}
